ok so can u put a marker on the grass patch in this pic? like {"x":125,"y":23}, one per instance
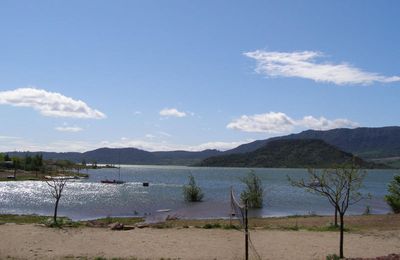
{"x":21,"y":178}
{"x":162,"y":226}
{"x":291,"y":228}
{"x":212,"y":225}
{"x":329,"y":228}
{"x":22,"y":219}
{"x":230,"y":227}
{"x":35,"y":219}
{"x":332,"y":257}
{"x":219,"y":225}
{"x":109,"y":220}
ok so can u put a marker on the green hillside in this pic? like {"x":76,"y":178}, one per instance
{"x":288,"y":154}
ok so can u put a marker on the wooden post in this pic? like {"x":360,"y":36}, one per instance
{"x":246,"y":230}
{"x":232,"y":210}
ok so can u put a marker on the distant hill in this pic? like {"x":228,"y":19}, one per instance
{"x":365,"y":142}
{"x":128,"y":156}
{"x":288,"y":153}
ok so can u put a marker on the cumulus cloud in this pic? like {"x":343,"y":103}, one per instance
{"x":324,"y":124}
{"x":278,"y":123}
{"x":72,"y":129}
{"x":305,"y":64}
{"x":172,"y":112}
{"x":49,"y":103}
{"x":271,"y":122}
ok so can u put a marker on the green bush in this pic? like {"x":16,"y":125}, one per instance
{"x":254,"y":191}
{"x":367,"y":210}
{"x":192,"y":192}
{"x":210,"y":226}
{"x":332,"y":257}
{"x":393,"y":199}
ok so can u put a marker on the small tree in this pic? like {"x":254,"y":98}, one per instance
{"x":192,"y":192}
{"x":56,"y":188}
{"x":254,"y":191}
{"x":7,"y":158}
{"x":37,"y":163}
{"x":340,"y":186}
{"x":17,"y":164}
{"x":393,"y":199}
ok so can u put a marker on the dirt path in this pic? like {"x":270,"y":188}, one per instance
{"x":36,"y":242}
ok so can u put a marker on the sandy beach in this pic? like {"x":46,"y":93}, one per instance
{"x":30,"y":241}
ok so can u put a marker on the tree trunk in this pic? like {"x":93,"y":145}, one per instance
{"x":15,"y":172}
{"x":55,"y":210}
{"x":336,"y":212}
{"x":341,"y":234}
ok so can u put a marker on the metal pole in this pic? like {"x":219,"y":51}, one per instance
{"x":246,"y":230}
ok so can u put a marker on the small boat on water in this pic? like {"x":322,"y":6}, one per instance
{"x":112,"y":181}
{"x":107,"y":181}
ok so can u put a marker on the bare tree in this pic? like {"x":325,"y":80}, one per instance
{"x":339,"y":185}
{"x":56,"y":188}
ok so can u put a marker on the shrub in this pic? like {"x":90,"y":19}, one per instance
{"x":254,"y":191}
{"x":367,"y":210}
{"x":210,"y":226}
{"x":192,"y":192}
{"x":332,"y":257}
{"x":393,"y":199}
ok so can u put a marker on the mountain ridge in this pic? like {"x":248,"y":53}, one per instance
{"x":290,"y":153}
{"x":366,"y":142}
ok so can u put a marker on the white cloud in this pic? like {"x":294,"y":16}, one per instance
{"x":6,"y":137}
{"x":167,"y":112}
{"x":304,"y":64}
{"x":324,"y":124}
{"x":164,"y":134}
{"x":278,"y":123}
{"x":221,"y":146}
{"x":271,"y":122}
{"x":166,"y":146}
{"x":49,"y":103}
{"x":72,"y":129}
{"x":82,"y":146}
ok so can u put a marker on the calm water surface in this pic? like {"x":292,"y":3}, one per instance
{"x":87,"y":199}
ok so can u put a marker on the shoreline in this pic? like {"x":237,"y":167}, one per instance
{"x":296,"y":237}
{"x":307,"y":222}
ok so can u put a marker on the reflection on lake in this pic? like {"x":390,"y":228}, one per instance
{"x":87,"y":199}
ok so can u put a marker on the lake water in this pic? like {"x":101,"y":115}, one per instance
{"x":88,"y":199}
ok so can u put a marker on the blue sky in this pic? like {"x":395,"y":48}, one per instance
{"x":166,"y":75}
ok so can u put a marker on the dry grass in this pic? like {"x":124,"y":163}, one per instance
{"x":353,"y":223}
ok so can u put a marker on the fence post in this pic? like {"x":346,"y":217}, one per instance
{"x":246,"y":230}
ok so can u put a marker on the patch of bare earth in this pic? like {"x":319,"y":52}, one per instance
{"x":38,"y":242}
